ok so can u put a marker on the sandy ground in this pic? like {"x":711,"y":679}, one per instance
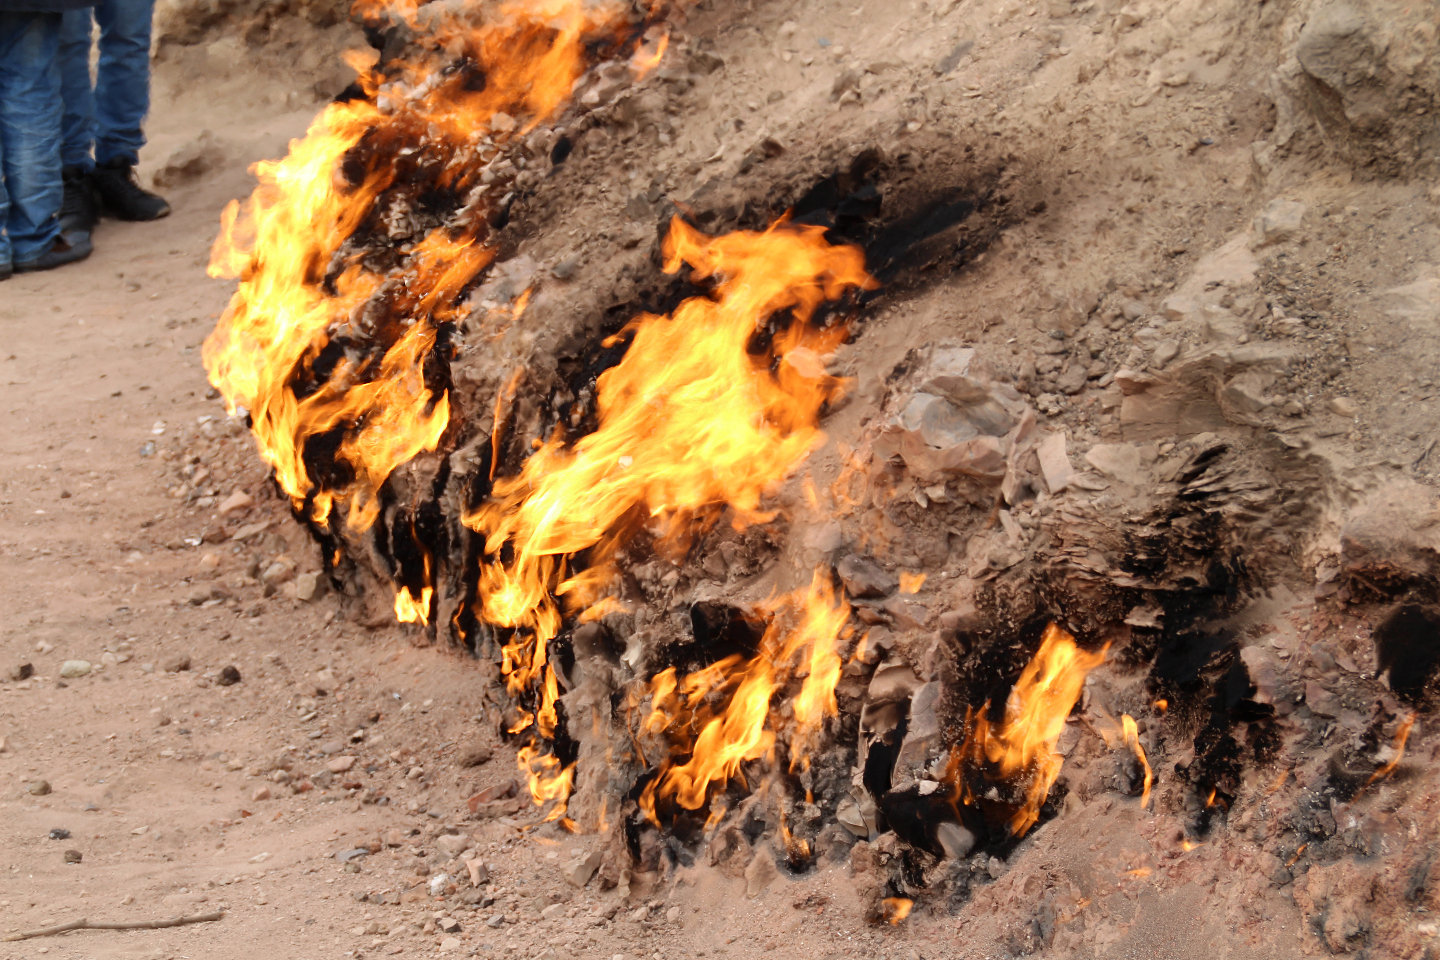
{"x":184,"y":794}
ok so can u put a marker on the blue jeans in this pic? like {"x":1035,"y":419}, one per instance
{"x":30,"y":188}
{"x":108,"y":114}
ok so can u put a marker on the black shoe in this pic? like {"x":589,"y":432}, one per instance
{"x":122,"y":194}
{"x":66,"y":250}
{"x":78,"y":211}
{"x":6,"y":271}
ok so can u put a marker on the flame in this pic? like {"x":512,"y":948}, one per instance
{"x":1132,"y":740}
{"x":408,"y":609}
{"x":1023,"y":744}
{"x":894,"y":910}
{"x":1162,"y":705}
{"x":649,"y":54}
{"x":1401,"y":735}
{"x":690,"y":422}
{"x":801,"y":639}
{"x":1298,"y":851}
{"x":302,"y":286}
{"x":911,"y":582}
{"x":1187,"y":844}
{"x":1138,"y":872}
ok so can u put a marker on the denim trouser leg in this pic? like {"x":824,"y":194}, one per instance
{"x":29,"y":133}
{"x":122,"y":82}
{"x":78,"y":128}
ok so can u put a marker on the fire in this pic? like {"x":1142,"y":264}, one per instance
{"x":894,"y":910}
{"x":801,"y":639}
{"x":1132,"y":740}
{"x":317,"y":342}
{"x":690,"y":423}
{"x":1162,"y":705}
{"x":409,"y":609}
{"x":1023,"y":744}
{"x":1401,"y":735}
{"x":911,"y":582}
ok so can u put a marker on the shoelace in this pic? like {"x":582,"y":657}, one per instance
{"x":127,"y":186}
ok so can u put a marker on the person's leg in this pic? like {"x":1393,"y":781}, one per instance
{"x":7,"y":265}
{"x":30,"y":128}
{"x":76,"y":89}
{"x":122,"y":98}
{"x":30,"y":111}
{"x":122,"y":82}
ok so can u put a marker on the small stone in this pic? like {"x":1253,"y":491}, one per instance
{"x":176,"y":664}
{"x":1054,"y":462}
{"x":339,"y":764}
{"x":499,"y":791}
{"x":74,"y":668}
{"x":449,"y":925}
{"x":73,"y":856}
{"x":44,"y":646}
{"x":308,"y":586}
{"x":331,"y":747}
{"x":1280,"y":220}
{"x":865,"y":578}
{"x":996,"y":868}
{"x":475,"y":755}
{"x":229,"y":675}
{"x":495,"y":921}
{"x":1165,"y":351}
{"x":579,"y":871}
{"x":59,"y":833}
{"x":1340,"y":406}
{"x":553,"y":912}
{"x":673,"y":915}
{"x":39,"y":788}
{"x":452,"y":844}
{"x":565,"y":269}
{"x":22,"y":672}
{"x":437,"y":883}
{"x":235,"y":503}
{"x":261,"y":793}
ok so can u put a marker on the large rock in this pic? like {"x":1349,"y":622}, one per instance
{"x":1392,"y":545}
{"x":958,"y":421}
{"x":1370,"y":76}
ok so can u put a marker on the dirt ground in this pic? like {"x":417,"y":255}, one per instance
{"x":1155,"y":134}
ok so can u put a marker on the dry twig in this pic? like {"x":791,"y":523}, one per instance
{"x":83,"y":924}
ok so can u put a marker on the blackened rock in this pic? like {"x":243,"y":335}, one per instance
{"x":865,"y":578}
{"x":229,"y":675}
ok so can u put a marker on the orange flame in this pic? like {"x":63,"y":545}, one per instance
{"x":1162,"y":705}
{"x":690,"y":422}
{"x":408,"y":609}
{"x":300,"y":285}
{"x":894,"y":910}
{"x":1132,"y":740}
{"x":801,"y":638}
{"x":1023,"y":745}
{"x":1401,"y":735}
{"x":911,"y":582}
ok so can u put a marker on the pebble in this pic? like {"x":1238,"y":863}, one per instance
{"x":59,"y":833}
{"x":339,"y":764}
{"x":73,"y":856}
{"x":307,"y":586}
{"x":449,"y":944}
{"x":176,"y":664}
{"x":236,"y":502}
{"x":495,"y":921}
{"x":261,"y":793}
{"x":74,"y":668}
{"x":228,"y":676}
{"x":23,"y":671}
{"x":39,"y":788}
{"x":1340,"y":406}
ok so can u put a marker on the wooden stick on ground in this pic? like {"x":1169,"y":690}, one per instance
{"x":83,"y":924}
